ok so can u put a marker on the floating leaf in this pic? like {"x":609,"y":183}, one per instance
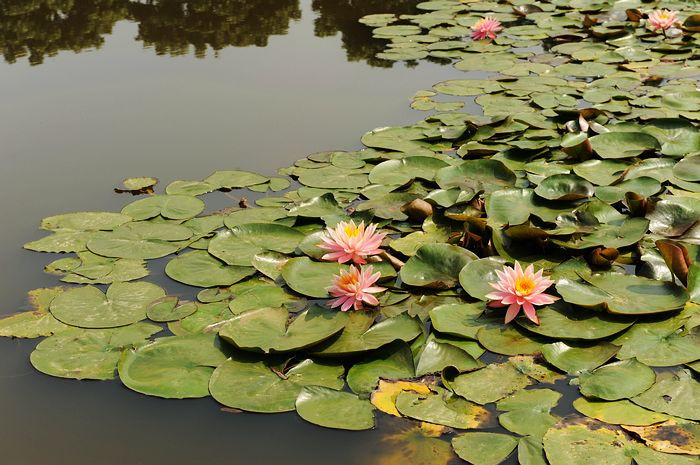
{"x":256,"y":386}
{"x":670,"y":437}
{"x":436,"y":266}
{"x":620,"y":412}
{"x":85,"y":221}
{"x":174,"y":207}
{"x":583,"y":441}
{"x":481,"y":448}
{"x":394,"y":361}
{"x":334,"y":409}
{"x":675,"y":393}
{"x":489,"y":384}
{"x":384,"y":396}
{"x":619,"y":380}
{"x":441,"y":408}
{"x":198,"y":268}
{"x":576,"y":357}
{"x":476,"y":276}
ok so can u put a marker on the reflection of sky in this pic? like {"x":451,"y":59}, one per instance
{"x":74,"y":127}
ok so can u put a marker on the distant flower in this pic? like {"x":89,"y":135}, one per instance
{"x":486,"y":28}
{"x":517,"y":288}
{"x":354,"y":287}
{"x":351,"y":242}
{"x":662,"y":19}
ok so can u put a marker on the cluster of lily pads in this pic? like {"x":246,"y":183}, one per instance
{"x":584,"y":163}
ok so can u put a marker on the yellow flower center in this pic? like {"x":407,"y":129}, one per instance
{"x":524,"y":285}
{"x":351,"y":230}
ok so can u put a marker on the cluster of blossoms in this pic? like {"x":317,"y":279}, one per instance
{"x":516,"y":288}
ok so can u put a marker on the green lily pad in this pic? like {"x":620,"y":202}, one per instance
{"x":61,"y":242}
{"x":490,"y":384}
{"x":675,"y":393}
{"x":509,"y":340}
{"x":167,"y":309}
{"x":476,"y":276}
{"x":401,"y":171}
{"x":601,"y":172}
{"x":436,"y":266}
{"x":623,"y":294}
{"x":577,"y":357}
{"x":688,"y":169}
{"x":461,"y":320}
{"x":256,"y":386}
{"x":89,"y":307}
{"x":234,"y":179}
{"x":175,"y":367}
{"x":562,"y":321}
{"x":36,"y":322}
{"x":481,"y":448}
{"x":174,"y":207}
{"x":623,"y":144}
{"x":254,"y":215}
{"x":564,"y":187}
{"x":239,"y":246}
{"x":620,"y":412}
{"x":141,"y":240}
{"x":263,"y":296}
{"x":269,"y":329}
{"x":198,"y":268}
{"x":678,"y":137}
{"x":85,"y":221}
{"x":362,"y":334}
{"x":330,"y":408}
{"x":393,"y":361}
{"x":308,"y":277}
{"x":88,"y":353}
{"x":660,"y":343}
{"x":619,"y":380}
{"x":435,"y":356}
{"x":476,"y":175}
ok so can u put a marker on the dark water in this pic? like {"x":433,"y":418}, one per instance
{"x":96,"y":91}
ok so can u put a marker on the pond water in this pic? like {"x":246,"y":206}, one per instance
{"x":111,"y":89}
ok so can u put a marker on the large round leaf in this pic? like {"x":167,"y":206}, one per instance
{"x":198,"y":268}
{"x":88,"y":307}
{"x":481,"y":448}
{"x":675,"y":393}
{"x":254,"y":215}
{"x":476,"y":175}
{"x":442,"y":408}
{"x":404,"y":170}
{"x":661,"y":343}
{"x":562,"y":321}
{"x":436,"y":266}
{"x":332,"y":177}
{"x":308,"y":277}
{"x":688,"y":169}
{"x":678,"y":137}
{"x":174,"y":207}
{"x":334,"y":409}
{"x":619,"y":380}
{"x":141,"y":240}
{"x":269,"y":329}
{"x":476,"y":276}
{"x":564,"y":187}
{"x":462,"y":320}
{"x":623,"y":294}
{"x":509,"y":339}
{"x":88,"y":353}
{"x":172,"y":367}
{"x":623,"y":144}
{"x":435,"y":356}
{"x":362,"y":334}
{"x":621,"y":412}
{"x":234,"y":179}
{"x":394,"y":361}
{"x":491,"y":383}
{"x":85,"y":221}
{"x":257,"y":386}
{"x":577,"y":357}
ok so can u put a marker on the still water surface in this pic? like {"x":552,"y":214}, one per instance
{"x":93,"y":92}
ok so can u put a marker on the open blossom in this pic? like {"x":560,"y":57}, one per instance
{"x":486,"y":28}
{"x":518,"y":289}
{"x":354,"y":287}
{"x":351,"y":242}
{"x":662,"y":19}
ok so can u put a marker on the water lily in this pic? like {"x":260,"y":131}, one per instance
{"x":486,"y":28}
{"x":518,"y":289}
{"x":662,"y":19}
{"x":353,"y":288}
{"x":349,"y":241}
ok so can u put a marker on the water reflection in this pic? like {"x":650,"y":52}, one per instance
{"x":37,"y":29}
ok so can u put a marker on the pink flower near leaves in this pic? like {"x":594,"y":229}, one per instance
{"x":516,"y":288}
{"x":354,"y":287}
{"x":486,"y":28}
{"x":662,"y":19}
{"x":351,"y":242}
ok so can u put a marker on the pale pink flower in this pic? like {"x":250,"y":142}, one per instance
{"x":354,"y":287}
{"x":351,"y":242}
{"x":486,"y":28}
{"x":662,"y":19}
{"x":517,"y":288}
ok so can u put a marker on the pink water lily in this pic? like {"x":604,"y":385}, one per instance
{"x":518,"y":289}
{"x":662,"y":19}
{"x":486,"y":28}
{"x":353,"y":288}
{"x":348,"y":241}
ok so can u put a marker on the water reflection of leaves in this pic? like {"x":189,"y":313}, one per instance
{"x":413,"y":445}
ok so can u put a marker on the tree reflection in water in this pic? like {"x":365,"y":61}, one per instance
{"x":37,"y":29}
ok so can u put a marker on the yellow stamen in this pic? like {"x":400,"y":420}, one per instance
{"x":351,"y":230}
{"x":524,"y":285}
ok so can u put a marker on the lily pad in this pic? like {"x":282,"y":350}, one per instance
{"x":394,"y":361}
{"x":491,"y":383}
{"x":334,"y":409}
{"x":89,"y":307}
{"x":441,"y":408}
{"x":577,"y":357}
{"x":619,"y":380}
{"x":436,"y":266}
{"x":675,"y":393}
{"x":583,"y":441}
{"x":198,"y":268}
{"x":481,"y":448}
{"x":620,"y":412}
{"x":174,"y":207}
{"x":255,"y":386}
{"x":269,"y":329}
